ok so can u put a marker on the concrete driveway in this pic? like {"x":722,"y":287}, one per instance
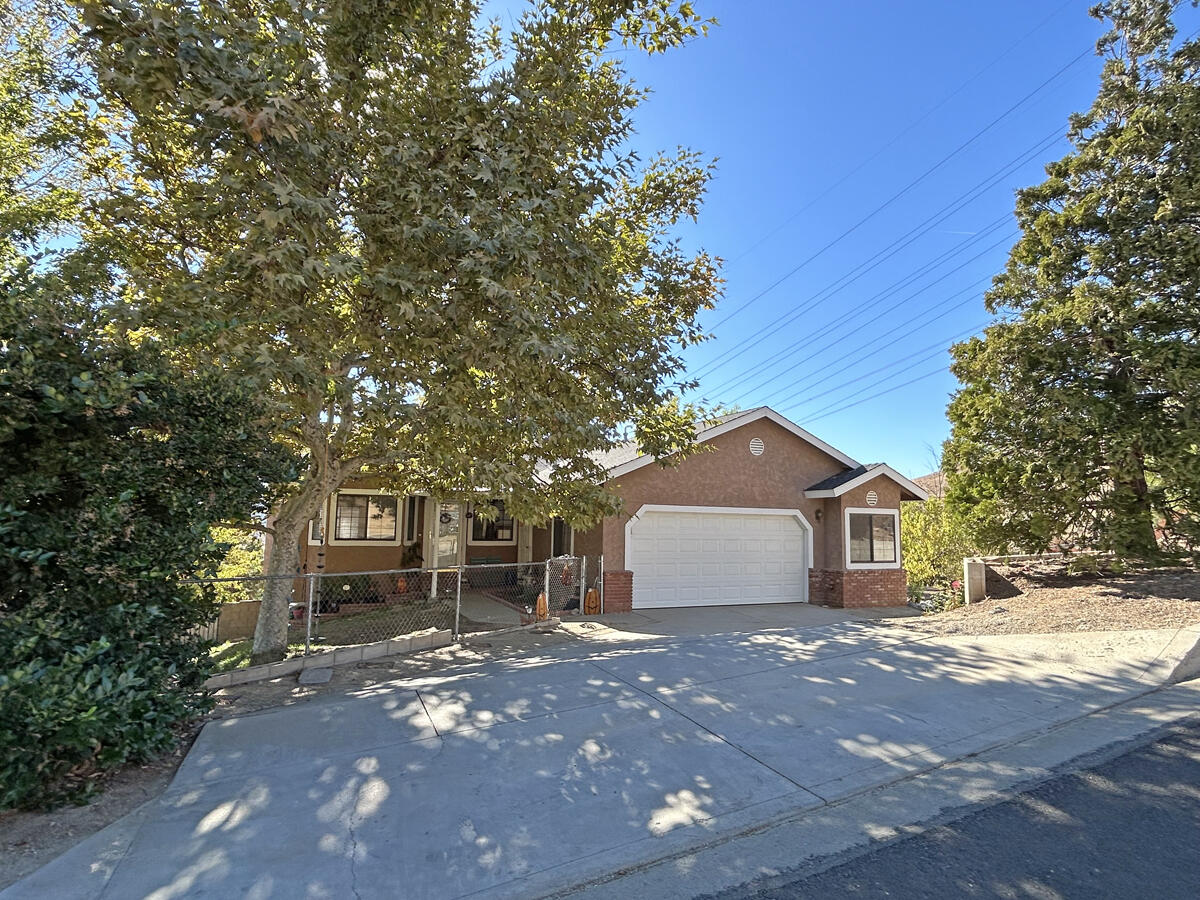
{"x":518,"y":777}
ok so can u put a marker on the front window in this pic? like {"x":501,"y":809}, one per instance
{"x":497,"y":530}
{"x":872,"y":538}
{"x":365,"y":517}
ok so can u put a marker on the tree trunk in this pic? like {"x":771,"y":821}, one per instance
{"x":1138,"y":530}
{"x":270,"y":632}
{"x":283,"y":565}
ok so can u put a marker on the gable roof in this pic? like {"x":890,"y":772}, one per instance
{"x":836,"y":485}
{"x":625,"y":458}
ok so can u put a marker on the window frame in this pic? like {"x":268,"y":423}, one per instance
{"x":871,"y":511}
{"x":410,"y":534}
{"x":323,"y":514}
{"x":331,"y":526}
{"x":568,"y":535}
{"x":508,"y":542}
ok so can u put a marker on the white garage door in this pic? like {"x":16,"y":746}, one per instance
{"x":692,"y":558}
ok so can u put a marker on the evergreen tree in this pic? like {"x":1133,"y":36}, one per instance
{"x":1078,"y":419}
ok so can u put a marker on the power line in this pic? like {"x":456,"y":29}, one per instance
{"x":895,"y":140}
{"x":862,"y":309}
{"x":920,"y":178}
{"x":875,"y":396}
{"x":807,"y":384}
{"x":924,"y":353}
{"x":963,"y":200}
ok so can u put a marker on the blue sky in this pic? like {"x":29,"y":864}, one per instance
{"x":821,"y":113}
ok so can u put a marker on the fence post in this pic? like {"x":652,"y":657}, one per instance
{"x":601,"y":584}
{"x":546,"y":586}
{"x":308,"y":615}
{"x":457,"y":602}
{"x":974,"y":580}
{"x":582,"y":582}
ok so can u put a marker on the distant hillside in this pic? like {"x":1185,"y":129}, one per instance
{"x":934,"y":483}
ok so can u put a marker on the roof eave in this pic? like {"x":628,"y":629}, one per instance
{"x":737,"y":422}
{"x":907,"y":486}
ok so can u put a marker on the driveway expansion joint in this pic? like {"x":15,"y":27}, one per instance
{"x":708,"y":730}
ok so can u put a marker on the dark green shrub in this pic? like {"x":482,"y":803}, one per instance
{"x":116,"y":466}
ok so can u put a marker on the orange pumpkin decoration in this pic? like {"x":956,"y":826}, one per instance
{"x":591,"y":603}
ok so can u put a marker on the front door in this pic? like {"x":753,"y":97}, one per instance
{"x":448,"y":536}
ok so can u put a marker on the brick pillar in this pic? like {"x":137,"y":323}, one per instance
{"x":618,"y":591}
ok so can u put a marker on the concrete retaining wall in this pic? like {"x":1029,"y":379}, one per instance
{"x":428,"y":639}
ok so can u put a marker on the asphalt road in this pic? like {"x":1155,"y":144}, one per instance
{"x":1126,"y":828}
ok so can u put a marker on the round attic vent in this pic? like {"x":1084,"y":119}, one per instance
{"x":757,"y":446}
{"x":872,"y":498}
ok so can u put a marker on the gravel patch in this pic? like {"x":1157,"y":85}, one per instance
{"x":1042,"y":598}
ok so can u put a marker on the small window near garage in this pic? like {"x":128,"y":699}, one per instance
{"x":500,"y":530}
{"x":411,"y":515}
{"x":872,"y":538}
{"x":365,"y":517}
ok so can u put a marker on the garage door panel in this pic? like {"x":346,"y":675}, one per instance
{"x":689,"y":559}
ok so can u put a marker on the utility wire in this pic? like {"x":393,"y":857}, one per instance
{"x":895,"y":140}
{"x":924,"y":353}
{"x":908,"y":187}
{"x":939,"y":370}
{"x":807,"y":384}
{"x":963,"y":200}
{"x":857,"y":311}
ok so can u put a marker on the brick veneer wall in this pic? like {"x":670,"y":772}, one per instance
{"x":618,"y":591}
{"x":858,"y":588}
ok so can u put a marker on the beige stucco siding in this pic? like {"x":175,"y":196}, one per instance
{"x":834,"y":517}
{"x":725,"y":473}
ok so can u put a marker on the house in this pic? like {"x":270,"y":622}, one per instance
{"x":768,"y":514}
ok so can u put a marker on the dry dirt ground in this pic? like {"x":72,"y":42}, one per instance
{"x":1028,"y":598}
{"x":1042,"y":598}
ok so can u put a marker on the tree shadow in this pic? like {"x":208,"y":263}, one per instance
{"x":552,"y":766}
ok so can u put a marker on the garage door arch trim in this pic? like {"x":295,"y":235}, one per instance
{"x":796,"y":514}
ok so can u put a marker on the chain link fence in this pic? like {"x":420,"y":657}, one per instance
{"x":339,"y":609}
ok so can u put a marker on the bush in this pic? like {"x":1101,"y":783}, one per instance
{"x":935,"y":542}
{"x":116,"y":466}
{"x":84,"y":697}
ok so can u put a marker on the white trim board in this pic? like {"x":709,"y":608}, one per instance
{"x":874,"y":511}
{"x":729,"y":425}
{"x":723,"y":510}
{"x":882,"y":469}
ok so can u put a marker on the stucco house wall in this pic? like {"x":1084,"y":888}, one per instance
{"x":725,"y":473}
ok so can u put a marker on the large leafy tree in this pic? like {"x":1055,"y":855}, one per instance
{"x":427,"y":237}
{"x":1078,"y":419}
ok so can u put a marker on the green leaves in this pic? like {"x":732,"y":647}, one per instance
{"x":423,"y":239}
{"x":116,"y":463}
{"x":1078,"y":420}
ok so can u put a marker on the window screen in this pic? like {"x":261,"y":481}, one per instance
{"x":365,"y":517}
{"x":872,"y":538}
